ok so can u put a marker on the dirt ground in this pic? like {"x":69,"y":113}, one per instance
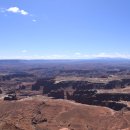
{"x":43,"y":113}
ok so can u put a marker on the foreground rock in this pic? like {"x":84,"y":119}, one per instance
{"x":41,"y":113}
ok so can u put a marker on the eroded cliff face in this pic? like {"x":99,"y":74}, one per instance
{"x":86,"y":92}
{"x":49,"y":84}
{"x":42,"y":113}
{"x":0,"y":91}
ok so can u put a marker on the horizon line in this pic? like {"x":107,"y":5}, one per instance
{"x":100,"y":58}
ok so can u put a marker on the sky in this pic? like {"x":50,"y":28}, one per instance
{"x":64,"y":29}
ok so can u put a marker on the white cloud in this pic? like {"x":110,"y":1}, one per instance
{"x":17,"y":10}
{"x":34,"y":20}
{"x":23,"y":12}
{"x":78,"y":53}
{"x":73,"y":56}
{"x":106,"y":55}
{"x":112,"y":55}
{"x":24,"y":51}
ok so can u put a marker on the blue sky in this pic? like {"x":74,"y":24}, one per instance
{"x":64,"y":29}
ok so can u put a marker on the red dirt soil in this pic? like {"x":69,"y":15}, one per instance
{"x":42,"y":113}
